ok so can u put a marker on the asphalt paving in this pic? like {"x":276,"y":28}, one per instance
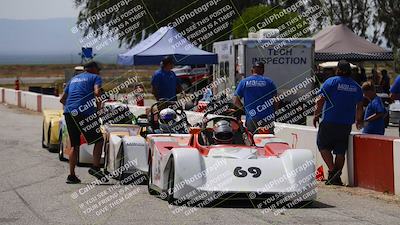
{"x":33,"y":191}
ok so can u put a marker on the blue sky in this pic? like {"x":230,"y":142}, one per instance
{"x":37,"y":9}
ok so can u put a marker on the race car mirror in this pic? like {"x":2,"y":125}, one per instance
{"x":194,"y":130}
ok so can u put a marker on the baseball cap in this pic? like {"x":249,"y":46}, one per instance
{"x":258,"y":64}
{"x":92,"y":65}
{"x":168,"y":59}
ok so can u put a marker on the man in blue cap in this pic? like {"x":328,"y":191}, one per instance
{"x":258,"y":92}
{"x":80,"y":105}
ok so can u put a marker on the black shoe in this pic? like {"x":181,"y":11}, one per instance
{"x":72,"y":179}
{"x":98,"y":174}
{"x":330,"y":176}
{"x":336,"y":180}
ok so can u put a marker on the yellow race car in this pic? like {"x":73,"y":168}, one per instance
{"x":50,"y":131}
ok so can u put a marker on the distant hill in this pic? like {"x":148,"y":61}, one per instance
{"x":48,"y":41}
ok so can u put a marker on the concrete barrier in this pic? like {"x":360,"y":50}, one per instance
{"x":2,"y":90}
{"x":374,"y":162}
{"x":51,"y":102}
{"x":305,"y":137}
{"x":31,"y":101}
{"x":396,"y":166}
{"x":11,"y":97}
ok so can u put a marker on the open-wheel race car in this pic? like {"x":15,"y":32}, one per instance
{"x":112,"y":113}
{"x":125,"y":146}
{"x":221,"y":159}
{"x":50,"y":129}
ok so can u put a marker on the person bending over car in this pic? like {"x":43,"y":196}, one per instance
{"x":81,"y":117}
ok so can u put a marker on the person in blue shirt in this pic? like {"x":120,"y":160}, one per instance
{"x":340,"y":102}
{"x":395,"y":92}
{"x":164,"y":82}
{"x":80,"y":105}
{"x":258,"y":92}
{"x":375,"y":112}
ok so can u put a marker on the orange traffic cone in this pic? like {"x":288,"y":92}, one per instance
{"x":319,"y":173}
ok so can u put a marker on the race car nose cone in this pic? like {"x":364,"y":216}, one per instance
{"x":233,"y":153}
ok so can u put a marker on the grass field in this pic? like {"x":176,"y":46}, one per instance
{"x":112,"y":74}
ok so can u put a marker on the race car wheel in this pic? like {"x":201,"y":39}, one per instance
{"x":61,"y":148}
{"x":149,"y":189}
{"x":105,"y":150}
{"x":43,"y":145}
{"x":171,"y":180}
{"x":49,"y":148}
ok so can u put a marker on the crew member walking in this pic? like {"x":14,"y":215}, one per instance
{"x":258,"y":92}
{"x":340,"y":100}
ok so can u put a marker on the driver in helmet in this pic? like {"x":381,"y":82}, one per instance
{"x":167,"y":121}
{"x":223,"y":133}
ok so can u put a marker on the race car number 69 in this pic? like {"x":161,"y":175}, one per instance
{"x":243,"y":173}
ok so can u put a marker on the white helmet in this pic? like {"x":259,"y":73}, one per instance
{"x":167,"y":115}
{"x":223,"y":133}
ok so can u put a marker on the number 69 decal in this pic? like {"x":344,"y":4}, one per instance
{"x":243,"y":173}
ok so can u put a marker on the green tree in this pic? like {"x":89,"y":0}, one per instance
{"x":355,"y":14}
{"x":252,"y":19}
{"x":387,"y":19}
{"x":95,"y":15}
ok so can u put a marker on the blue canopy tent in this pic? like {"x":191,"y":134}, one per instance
{"x":166,"y":41}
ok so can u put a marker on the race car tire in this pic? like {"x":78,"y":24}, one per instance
{"x":149,"y":189}
{"x":61,"y":148}
{"x":49,"y":146}
{"x":171,"y":181}
{"x":43,"y":145}
{"x":105,"y":150}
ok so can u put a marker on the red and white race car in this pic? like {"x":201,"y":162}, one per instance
{"x":192,"y":167}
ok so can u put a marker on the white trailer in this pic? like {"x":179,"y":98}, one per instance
{"x":287,"y":61}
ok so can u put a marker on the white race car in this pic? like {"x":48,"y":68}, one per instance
{"x":125,"y":146}
{"x":125,"y":151}
{"x":85,"y":156}
{"x":192,"y":167}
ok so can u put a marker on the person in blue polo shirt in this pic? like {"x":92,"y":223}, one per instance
{"x":375,"y":112}
{"x":79,"y":105}
{"x":340,"y":101}
{"x":395,"y":92}
{"x":164,"y":82}
{"x":258,"y":92}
